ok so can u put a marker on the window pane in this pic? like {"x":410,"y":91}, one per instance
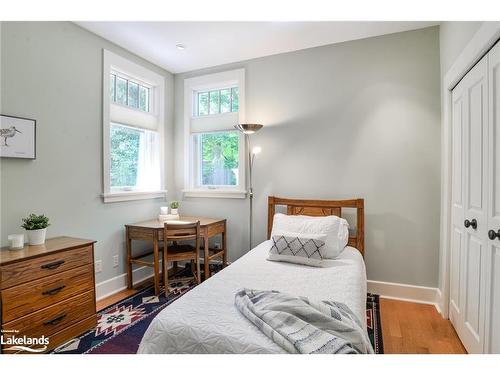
{"x":225,"y":101}
{"x":219,"y":154}
{"x":144,"y":98}
{"x":235,"y":103}
{"x":112,"y":87}
{"x":124,"y":154}
{"x":214,"y":102}
{"x":133,"y":94}
{"x":121,"y":90}
{"x":202,"y":103}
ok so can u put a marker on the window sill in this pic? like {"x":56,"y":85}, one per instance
{"x":133,"y":195}
{"x":215,"y":193}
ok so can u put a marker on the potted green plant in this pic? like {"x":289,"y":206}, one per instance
{"x":174,"y":208}
{"x":36,"y":225}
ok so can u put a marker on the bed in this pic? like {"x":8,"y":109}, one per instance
{"x":205,"y":319}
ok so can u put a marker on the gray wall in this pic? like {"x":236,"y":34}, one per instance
{"x":357,"y":119}
{"x":52,"y":72}
{"x":453,"y":37}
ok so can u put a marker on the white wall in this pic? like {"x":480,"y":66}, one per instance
{"x":52,"y":72}
{"x":356,"y":119}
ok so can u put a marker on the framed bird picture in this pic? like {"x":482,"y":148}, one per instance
{"x":17,"y":137}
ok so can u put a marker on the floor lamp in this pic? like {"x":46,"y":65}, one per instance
{"x":247,"y":130}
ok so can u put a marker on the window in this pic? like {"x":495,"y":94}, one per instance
{"x":133,"y":131}
{"x":134,"y":159}
{"x":217,"y":101}
{"x":219,"y":159}
{"x":214,"y":149}
{"x":127,"y":92}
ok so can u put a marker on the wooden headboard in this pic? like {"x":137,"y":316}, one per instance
{"x":322,"y":208}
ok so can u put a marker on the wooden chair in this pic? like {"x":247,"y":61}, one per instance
{"x":177,"y":252}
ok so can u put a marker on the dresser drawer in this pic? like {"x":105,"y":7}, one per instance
{"x":32,"y":269}
{"x":53,"y":319}
{"x":61,"y":337}
{"x":47,"y":291}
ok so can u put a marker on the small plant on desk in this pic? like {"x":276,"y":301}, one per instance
{"x":174,"y":208}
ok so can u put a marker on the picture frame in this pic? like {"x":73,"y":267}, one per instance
{"x":17,"y":137}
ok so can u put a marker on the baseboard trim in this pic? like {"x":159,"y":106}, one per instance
{"x":402,"y":292}
{"x":405,"y":292}
{"x":118,"y":283}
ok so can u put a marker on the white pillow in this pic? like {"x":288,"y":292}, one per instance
{"x":335,"y":228}
{"x":298,"y":248}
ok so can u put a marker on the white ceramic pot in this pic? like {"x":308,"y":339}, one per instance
{"x":37,"y":236}
{"x":174,"y":211}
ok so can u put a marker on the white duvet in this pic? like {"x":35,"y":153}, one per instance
{"x":205,"y":319}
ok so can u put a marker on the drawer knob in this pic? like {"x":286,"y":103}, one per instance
{"x":53,"y":265}
{"x":55,"y":321}
{"x":53,"y":291}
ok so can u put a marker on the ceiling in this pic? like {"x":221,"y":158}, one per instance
{"x":215,"y":43}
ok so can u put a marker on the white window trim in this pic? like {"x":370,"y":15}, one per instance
{"x":205,"y":83}
{"x":114,"y":62}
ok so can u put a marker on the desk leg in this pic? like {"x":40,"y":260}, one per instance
{"x":156,"y":263}
{"x":128,"y":244}
{"x":224,"y":247}
{"x":206,"y":260}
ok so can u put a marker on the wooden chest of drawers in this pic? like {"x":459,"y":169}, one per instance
{"x":47,"y":291}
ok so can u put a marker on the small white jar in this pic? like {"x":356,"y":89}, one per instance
{"x":16,"y":241}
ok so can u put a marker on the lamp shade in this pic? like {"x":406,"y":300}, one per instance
{"x":248,"y":128}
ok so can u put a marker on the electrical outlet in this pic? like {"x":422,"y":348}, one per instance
{"x":217,"y":245}
{"x":98,"y":266}
{"x":115,"y":261}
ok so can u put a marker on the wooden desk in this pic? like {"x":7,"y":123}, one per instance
{"x":152,"y":230}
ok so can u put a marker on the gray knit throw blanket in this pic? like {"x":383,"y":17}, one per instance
{"x":301,"y":325}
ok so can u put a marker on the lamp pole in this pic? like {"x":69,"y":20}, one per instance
{"x":248,"y":129}
{"x":250,"y":188}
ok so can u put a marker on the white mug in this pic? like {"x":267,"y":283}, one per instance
{"x":164,"y":210}
{"x":16,"y":241}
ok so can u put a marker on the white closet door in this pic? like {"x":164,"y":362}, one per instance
{"x":469,"y":244}
{"x":493,"y":246}
{"x":457,"y":205}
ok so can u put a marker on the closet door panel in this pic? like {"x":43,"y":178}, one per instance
{"x":456,"y":255}
{"x":494,"y":326}
{"x":492,"y":261}
{"x":457,"y":194}
{"x":473,"y":285}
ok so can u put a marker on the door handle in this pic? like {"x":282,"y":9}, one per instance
{"x":472,"y":223}
{"x":492,"y":234}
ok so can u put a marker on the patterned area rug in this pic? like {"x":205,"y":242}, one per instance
{"x":373,"y":322}
{"x":121,"y":326}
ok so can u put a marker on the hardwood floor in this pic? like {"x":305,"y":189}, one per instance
{"x":415,"y":328}
{"x":407,"y":327}
{"x":108,"y":301}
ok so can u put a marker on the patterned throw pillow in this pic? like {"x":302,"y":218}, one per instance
{"x":335,"y":228}
{"x":298,"y":248}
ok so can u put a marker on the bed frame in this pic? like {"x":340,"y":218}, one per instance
{"x":322,"y":208}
